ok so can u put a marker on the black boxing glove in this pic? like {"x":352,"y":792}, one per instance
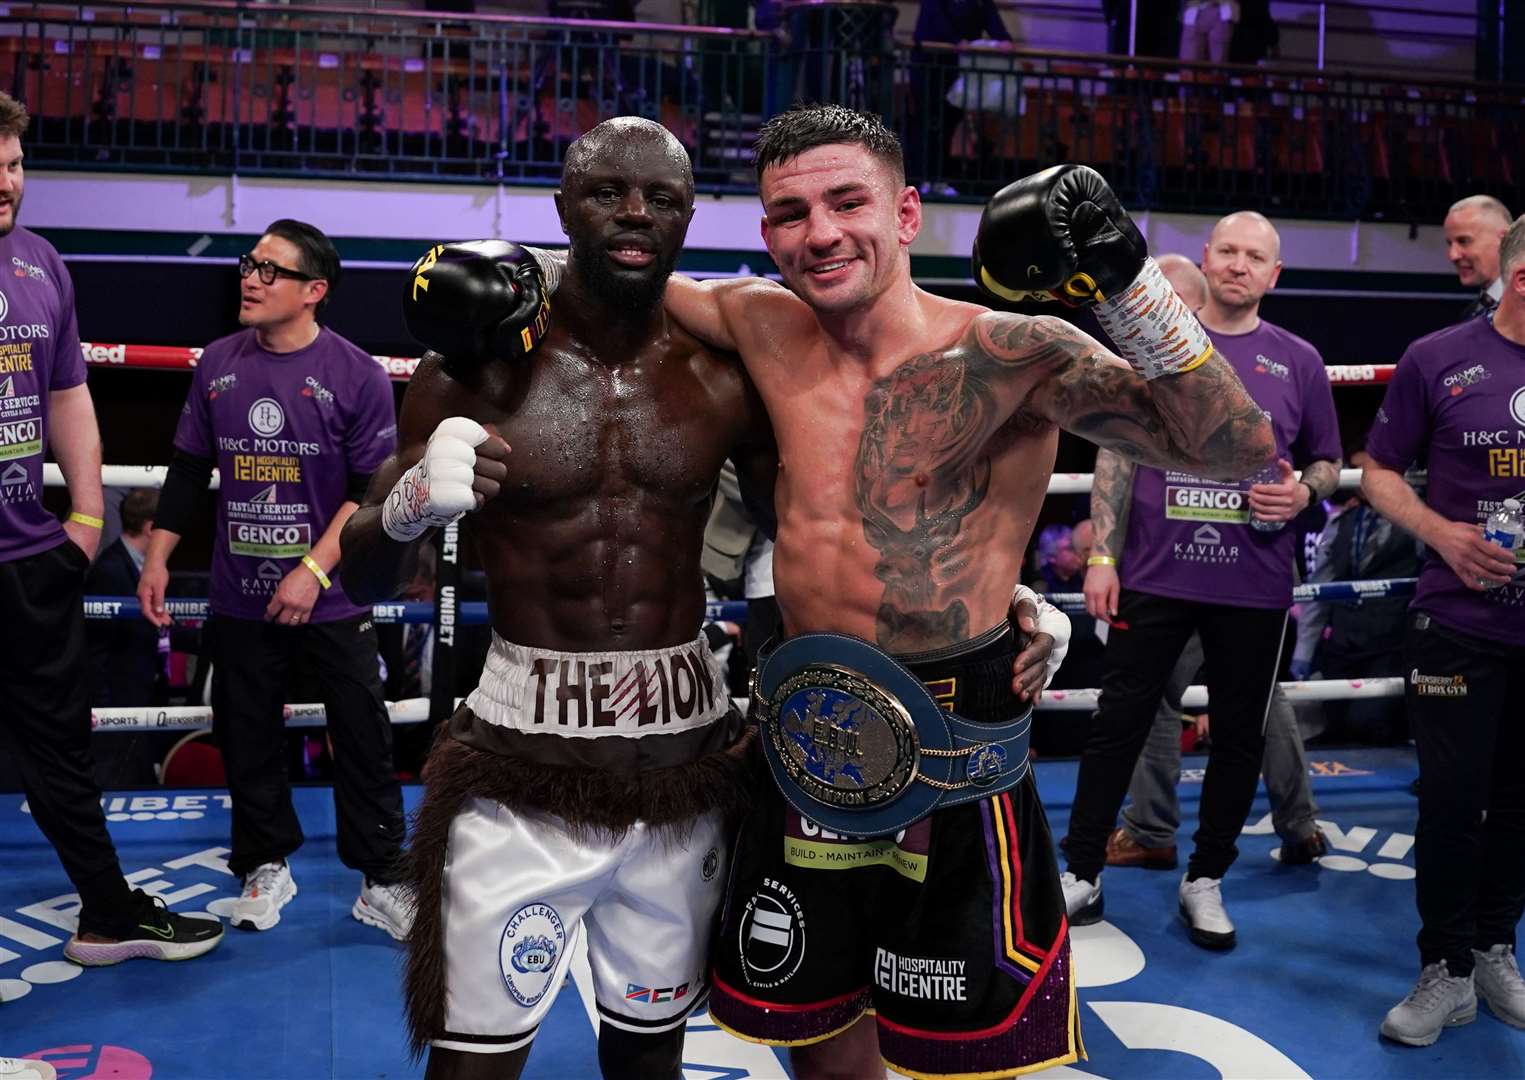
{"x":1062,"y":235}
{"x":476,"y":301}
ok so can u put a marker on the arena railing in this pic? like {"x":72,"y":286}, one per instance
{"x":316,"y":90}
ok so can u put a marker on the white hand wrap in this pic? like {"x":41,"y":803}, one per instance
{"x":437,"y":490}
{"x":551,"y":264}
{"x":1152,"y":328}
{"x":1051,"y":621}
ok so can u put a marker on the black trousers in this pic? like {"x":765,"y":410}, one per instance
{"x":1464,"y":697}
{"x":1242,"y":650}
{"x":251,"y":667}
{"x":43,"y":668}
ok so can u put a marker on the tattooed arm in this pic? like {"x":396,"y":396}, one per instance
{"x":1111,"y":501}
{"x":1201,"y":421}
{"x":1322,"y":477}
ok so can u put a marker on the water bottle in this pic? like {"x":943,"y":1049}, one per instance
{"x":1506,"y":528}
{"x":1271,"y":474}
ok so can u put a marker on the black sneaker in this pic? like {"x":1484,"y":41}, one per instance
{"x":152,"y":932}
{"x":1302,"y":852}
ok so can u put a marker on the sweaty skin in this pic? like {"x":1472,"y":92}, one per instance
{"x":595,"y":486}
{"x":917,"y":434}
{"x":617,"y":427}
{"x":593,"y":541}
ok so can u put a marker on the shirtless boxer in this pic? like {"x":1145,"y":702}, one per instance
{"x":591,"y":770}
{"x":916,"y":438}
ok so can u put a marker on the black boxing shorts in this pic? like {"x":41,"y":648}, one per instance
{"x":952,"y":930}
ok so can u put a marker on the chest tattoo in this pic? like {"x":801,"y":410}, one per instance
{"x":920,"y":471}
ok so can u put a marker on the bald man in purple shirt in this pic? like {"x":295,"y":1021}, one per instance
{"x":1205,"y":557}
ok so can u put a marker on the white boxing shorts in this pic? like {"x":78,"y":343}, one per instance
{"x":519,"y":891}
{"x":525,"y":873}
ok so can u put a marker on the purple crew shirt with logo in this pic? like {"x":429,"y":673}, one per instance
{"x":1191,"y":538}
{"x":286,"y":430}
{"x":1457,"y":400}
{"x":39,"y":353}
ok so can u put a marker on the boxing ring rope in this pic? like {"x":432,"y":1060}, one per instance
{"x":400,"y":368}
{"x":152,"y":476}
{"x":1195,"y":697}
{"x":474,"y":612}
{"x":199,"y":717}
{"x":468,"y":613}
{"x":417,"y":710}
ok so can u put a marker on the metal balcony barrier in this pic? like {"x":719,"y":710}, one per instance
{"x":313,"y":90}
{"x":230,"y":87}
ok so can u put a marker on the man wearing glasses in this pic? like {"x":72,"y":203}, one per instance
{"x":295,"y":418}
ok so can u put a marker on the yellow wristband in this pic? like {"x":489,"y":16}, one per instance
{"x":86,"y":519}
{"x":317,"y":571}
{"x":1101,"y":560}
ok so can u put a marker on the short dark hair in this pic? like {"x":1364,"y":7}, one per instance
{"x":13,"y":117}
{"x":318,"y":256}
{"x":138,"y":509}
{"x":804,"y":127}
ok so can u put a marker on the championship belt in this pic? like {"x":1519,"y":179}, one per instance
{"x":857,"y":743}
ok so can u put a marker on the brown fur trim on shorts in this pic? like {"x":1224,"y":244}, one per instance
{"x":589,"y":803}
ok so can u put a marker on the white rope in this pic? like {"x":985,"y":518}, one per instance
{"x":120,"y":476}
{"x":152,"y":476}
{"x":197,"y":717}
{"x":1195,"y":697}
{"x":416,"y":710}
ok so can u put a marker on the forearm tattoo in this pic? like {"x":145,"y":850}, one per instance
{"x":1202,"y":421}
{"x":1111,"y":501}
{"x":1323,"y":477}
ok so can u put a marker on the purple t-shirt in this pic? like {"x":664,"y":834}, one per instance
{"x":1190,"y":538}
{"x":1458,"y":399}
{"x":286,"y":430}
{"x":39,"y":353}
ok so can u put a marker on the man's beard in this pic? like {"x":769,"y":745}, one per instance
{"x":5,"y":230}
{"x":626,"y":293}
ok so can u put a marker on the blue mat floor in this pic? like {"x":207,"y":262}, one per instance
{"x":1323,"y":952}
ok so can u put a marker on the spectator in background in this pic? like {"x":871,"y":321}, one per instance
{"x":126,"y":665}
{"x":1207,"y":28}
{"x":1195,"y":557}
{"x":1352,"y":639}
{"x":1186,"y":278}
{"x":1256,"y":36}
{"x":933,"y":119}
{"x":125,"y":652}
{"x":738,"y":565}
{"x":46,"y":719}
{"x":1473,"y":228}
{"x":1060,"y":557}
{"x":1465,"y":658}
{"x":407,"y":649}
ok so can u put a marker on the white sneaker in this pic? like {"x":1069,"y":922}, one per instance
{"x":386,"y":907}
{"x":1082,"y":899}
{"x":1439,"y":1000}
{"x":1203,"y":913}
{"x":1496,"y":976}
{"x":26,"y":1069}
{"x":266,"y":891}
